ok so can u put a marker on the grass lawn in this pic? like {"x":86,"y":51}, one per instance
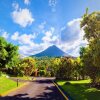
{"x":7,"y":84}
{"x":79,"y":90}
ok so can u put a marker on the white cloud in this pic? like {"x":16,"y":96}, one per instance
{"x":49,"y":36}
{"x":72,"y":37}
{"x":28,"y":50}
{"x":52,"y":29}
{"x":72,"y":31}
{"x":15,"y":5}
{"x":23,"y":17}
{"x":42,"y":25}
{"x":52,"y":4}
{"x":26,"y":44}
{"x":15,"y":36}
{"x":27,"y":2}
{"x":24,"y":38}
{"x":5,"y":35}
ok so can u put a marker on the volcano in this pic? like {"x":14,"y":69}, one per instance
{"x":52,"y":51}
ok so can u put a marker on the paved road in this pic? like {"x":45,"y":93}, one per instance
{"x":41,"y":89}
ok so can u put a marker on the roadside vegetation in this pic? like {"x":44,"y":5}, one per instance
{"x":85,"y":67}
{"x":80,"y":90}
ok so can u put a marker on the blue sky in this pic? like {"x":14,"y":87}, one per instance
{"x":34,"y":25}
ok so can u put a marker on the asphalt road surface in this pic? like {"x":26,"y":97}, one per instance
{"x":40,"y":89}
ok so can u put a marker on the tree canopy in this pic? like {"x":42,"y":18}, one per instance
{"x":91,"y":54}
{"x":8,"y":54}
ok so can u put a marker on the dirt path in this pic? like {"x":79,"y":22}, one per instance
{"x":41,"y":89}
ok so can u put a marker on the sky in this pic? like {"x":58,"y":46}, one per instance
{"x":34,"y":25}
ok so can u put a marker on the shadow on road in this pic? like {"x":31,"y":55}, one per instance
{"x":47,"y":81}
{"x":16,"y":97}
{"x":50,"y":93}
{"x":53,"y":95}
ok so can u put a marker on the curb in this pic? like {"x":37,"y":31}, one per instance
{"x":66,"y":98}
{"x":7,"y":92}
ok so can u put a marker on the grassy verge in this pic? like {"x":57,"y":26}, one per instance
{"x":7,"y":84}
{"x":79,"y":90}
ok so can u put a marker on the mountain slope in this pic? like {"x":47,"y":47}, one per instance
{"x":51,"y":51}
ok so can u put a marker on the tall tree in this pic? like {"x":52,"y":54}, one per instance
{"x":91,"y":26}
{"x":8,"y":54}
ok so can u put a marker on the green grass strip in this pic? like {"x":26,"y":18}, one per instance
{"x":80,"y":90}
{"x":7,"y":84}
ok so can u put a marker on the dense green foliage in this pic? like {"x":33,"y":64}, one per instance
{"x":90,"y":55}
{"x":8,"y":54}
{"x":65,"y":69}
{"x":25,"y":67}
